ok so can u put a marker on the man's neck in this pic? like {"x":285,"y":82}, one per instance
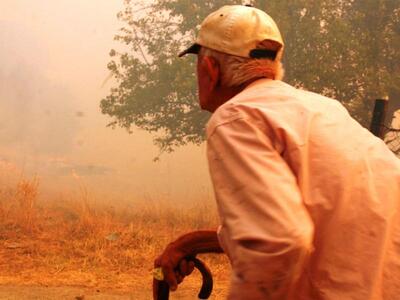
{"x":224,"y":94}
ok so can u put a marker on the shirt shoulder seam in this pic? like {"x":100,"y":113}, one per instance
{"x":230,"y":119}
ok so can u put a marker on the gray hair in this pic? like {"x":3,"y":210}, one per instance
{"x":236,"y":70}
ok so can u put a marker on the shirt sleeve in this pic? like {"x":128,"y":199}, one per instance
{"x":265,"y":227}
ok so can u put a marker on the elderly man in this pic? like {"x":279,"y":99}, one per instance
{"x":308,"y":199}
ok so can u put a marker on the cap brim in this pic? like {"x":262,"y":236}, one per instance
{"x":194,"y":49}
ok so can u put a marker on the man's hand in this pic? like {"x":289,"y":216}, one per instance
{"x":175,"y":261}
{"x":174,"y":265}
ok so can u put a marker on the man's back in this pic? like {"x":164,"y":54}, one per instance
{"x":349,"y":183}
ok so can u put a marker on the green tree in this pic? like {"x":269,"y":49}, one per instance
{"x":343,"y":49}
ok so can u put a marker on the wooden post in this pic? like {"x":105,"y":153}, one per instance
{"x":378,"y":118}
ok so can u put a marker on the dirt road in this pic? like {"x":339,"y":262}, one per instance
{"x":53,"y":293}
{"x":68,"y":293}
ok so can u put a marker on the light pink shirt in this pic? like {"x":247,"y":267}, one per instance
{"x":308,"y":199}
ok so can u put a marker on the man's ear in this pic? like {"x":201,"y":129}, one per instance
{"x":210,"y":67}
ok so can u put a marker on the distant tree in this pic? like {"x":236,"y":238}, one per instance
{"x":344,"y":49}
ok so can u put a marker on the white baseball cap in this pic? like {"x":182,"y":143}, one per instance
{"x":238,"y":30}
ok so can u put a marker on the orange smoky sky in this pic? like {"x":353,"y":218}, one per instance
{"x":54,"y":56}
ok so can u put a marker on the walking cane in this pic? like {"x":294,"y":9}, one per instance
{"x":161,"y":288}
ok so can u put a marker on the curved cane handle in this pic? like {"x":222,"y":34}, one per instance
{"x":161,"y":288}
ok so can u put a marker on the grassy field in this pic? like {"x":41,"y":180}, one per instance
{"x":75,"y":242}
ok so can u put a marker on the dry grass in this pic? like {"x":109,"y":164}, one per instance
{"x":74,"y":242}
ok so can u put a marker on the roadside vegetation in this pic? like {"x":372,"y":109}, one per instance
{"x":76,"y":242}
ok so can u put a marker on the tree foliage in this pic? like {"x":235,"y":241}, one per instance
{"x":340,"y":48}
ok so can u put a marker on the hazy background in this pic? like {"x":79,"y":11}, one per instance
{"x":53,"y":66}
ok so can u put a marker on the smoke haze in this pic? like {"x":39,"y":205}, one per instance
{"x":53,"y":66}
